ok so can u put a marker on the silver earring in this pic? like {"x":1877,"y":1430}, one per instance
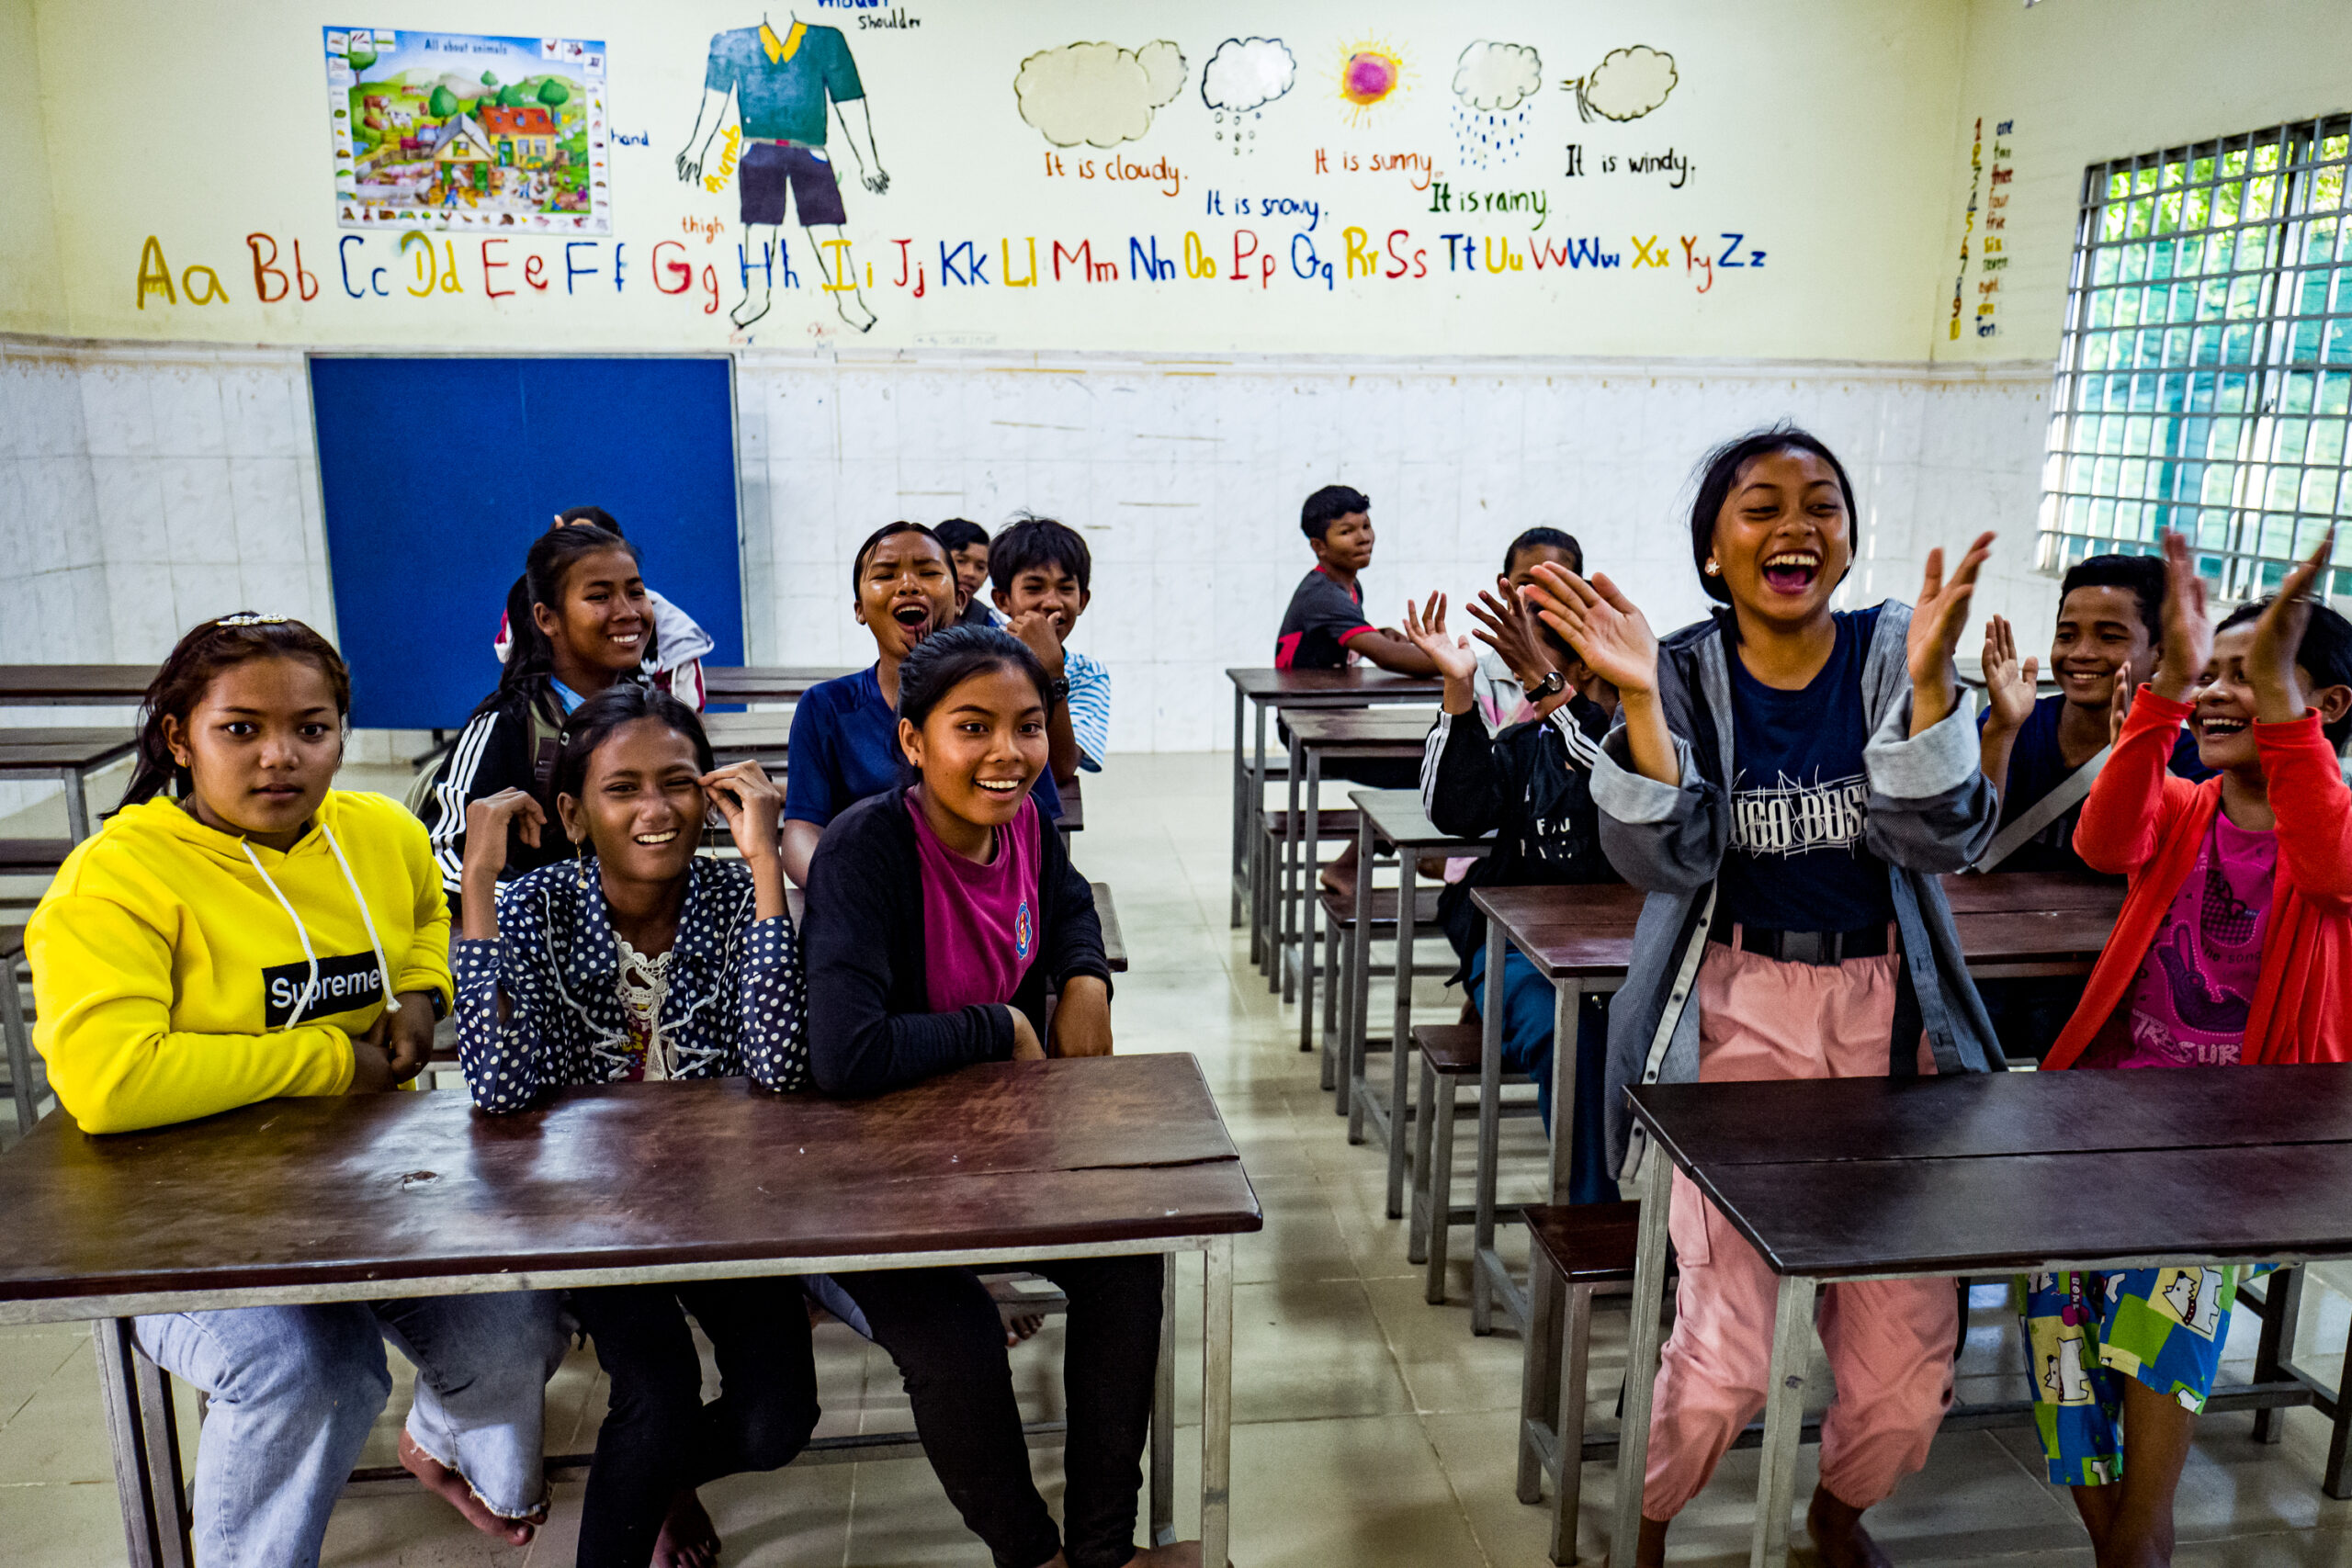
{"x":1715,"y":568}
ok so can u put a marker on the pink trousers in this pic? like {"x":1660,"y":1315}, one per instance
{"x":1890,"y":1342}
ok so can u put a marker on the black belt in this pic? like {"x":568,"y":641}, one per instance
{"x":1805,"y":947}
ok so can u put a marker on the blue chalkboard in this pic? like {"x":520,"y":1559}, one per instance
{"x":438,"y":473}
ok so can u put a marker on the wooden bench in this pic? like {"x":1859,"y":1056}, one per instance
{"x":1340,"y":958}
{"x":1574,"y":1251}
{"x":1115,"y":942}
{"x":1328,"y":824}
{"x":1449,"y":1053}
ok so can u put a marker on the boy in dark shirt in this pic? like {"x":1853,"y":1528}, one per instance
{"x":1325,"y":629}
{"x":2041,"y":754}
{"x":968,"y":552}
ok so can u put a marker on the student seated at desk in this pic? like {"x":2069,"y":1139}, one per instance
{"x":1528,"y":784}
{"x":2234,"y":945}
{"x":589,"y":624}
{"x":940,"y":913}
{"x":844,"y":744}
{"x":967,"y":551}
{"x":1788,"y":782}
{"x":2041,"y":755}
{"x":674,"y":653}
{"x":1044,"y":573}
{"x":240,"y":930}
{"x":1323,"y":628}
{"x":642,"y":960}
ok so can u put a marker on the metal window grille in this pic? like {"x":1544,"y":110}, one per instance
{"x":2204,"y":381}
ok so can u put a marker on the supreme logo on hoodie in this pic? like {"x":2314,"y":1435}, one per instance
{"x":346,"y":981}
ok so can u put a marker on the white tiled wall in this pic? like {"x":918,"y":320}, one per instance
{"x":142,"y":488}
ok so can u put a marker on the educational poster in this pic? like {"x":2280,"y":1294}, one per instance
{"x":1025,"y":175}
{"x":459,"y":130}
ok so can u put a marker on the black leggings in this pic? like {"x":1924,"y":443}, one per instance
{"x":943,"y":1328}
{"x":659,"y":1438}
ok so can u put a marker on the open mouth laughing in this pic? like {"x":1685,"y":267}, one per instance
{"x":1791,"y":572}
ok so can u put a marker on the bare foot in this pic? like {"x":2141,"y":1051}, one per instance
{"x":1838,"y":1536}
{"x":1650,"y":1550}
{"x":1339,"y":876}
{"x":451,"y":1488}
{"x":1021,"y":1326}
{"x":688,"y":1538}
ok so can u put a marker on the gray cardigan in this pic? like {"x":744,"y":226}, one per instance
{"x":1930,"y":810}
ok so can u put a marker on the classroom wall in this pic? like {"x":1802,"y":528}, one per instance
{"x":2082,"y":81}
{"x":31,"y":295}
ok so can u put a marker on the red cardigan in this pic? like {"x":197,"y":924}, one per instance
{"x":2142,"y":822}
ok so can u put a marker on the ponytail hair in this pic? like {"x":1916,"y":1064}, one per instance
{"x":530,"y":663}
{"x":194,"y":664}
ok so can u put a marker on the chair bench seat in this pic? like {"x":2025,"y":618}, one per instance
{"x":1450,"y":1049}
{"x":1331,"y":822}
{"x":1339,"y":909}
{"x":1588,"y":1244}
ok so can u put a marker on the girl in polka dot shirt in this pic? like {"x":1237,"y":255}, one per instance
{"x":639,"y":960}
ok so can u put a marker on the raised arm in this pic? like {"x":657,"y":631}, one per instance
{"x":2009,"y":702}
{"x":2301,"y":772}
{"x":1613,"y":638}
{"x":1459,"y":789}
{"x":771,"y":993}
{"x":2127,"y":810}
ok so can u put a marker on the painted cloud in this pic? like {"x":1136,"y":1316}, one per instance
{"x":1097,"y":93}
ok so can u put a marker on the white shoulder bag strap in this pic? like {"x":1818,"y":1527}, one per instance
{"x":2043,"y":812}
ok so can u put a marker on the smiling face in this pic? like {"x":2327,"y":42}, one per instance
{"x":2099,"y":636}
{"x":261,"y":748}
{"x":906,"y":592}
{"x":971,"y":568}
{"x":605,"y":620}
{"x":1783,"y":538}
{"x":981,"y":746}
{"x":641,"y":804}
{"x":1048,"y":588}
{"x":1347,"y":542}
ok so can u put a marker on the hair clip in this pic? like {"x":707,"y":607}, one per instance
{"x":248,"y":618}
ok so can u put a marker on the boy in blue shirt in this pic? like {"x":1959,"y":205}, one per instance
{"x":844,"y":742}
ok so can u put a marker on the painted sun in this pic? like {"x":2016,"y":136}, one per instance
{"x":1370,"y":73}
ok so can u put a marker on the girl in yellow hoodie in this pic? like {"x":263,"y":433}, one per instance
{"x":257,"y":934}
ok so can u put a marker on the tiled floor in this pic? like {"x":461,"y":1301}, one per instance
{"x":1372,"y":1428}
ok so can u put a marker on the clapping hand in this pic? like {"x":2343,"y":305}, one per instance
{"x":2279,"y":636}
{"x":1455,"y":658}
{"x":1608,"y":630}
{"x":2188,"y":625}
{"x":1934,"y":634}
{"x":1509,"y":627}
{"x":2009,"y":684}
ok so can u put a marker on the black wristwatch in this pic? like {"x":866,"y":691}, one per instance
{"x":1058,"y":688}
{"x":1551,"y":685}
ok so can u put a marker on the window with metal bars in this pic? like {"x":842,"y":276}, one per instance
{"x":2204,"y":381}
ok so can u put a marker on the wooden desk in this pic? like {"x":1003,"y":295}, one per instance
{"x":763,"y":682}
{"x":1389,"y":818}
{"x":75,"y":685}
{"x":1313,"y":734}
{"x":1581,"y":939}
{"x":1988,"y":1173}
{"x":418,"y":1194}
{"x":1259,"y":687}
{"x":68,"y":755}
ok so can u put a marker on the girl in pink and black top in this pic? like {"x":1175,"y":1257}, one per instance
{"x":940,"y":915}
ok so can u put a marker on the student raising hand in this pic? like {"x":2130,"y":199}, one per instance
{"x":2009,"y":683}
{"x":1934,"y":634}
{"x":2188,"y":625}
{"x":1455,"y":658}
{"x":2279,"y":695}
{"x":1507,"y":625}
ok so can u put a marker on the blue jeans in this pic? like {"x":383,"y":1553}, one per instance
{"x":295,"y":1390}
{"x":1527,"y":1005}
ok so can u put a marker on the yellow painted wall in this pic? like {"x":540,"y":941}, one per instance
{"x":2087,"y":80}
{"x":31,"y":297}
{"x":1816,"y":135}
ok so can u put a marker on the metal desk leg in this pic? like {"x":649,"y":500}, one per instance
{"x":1310,"y":866}
{"x":1278,"y":915}
{"x":1400,"y":1066}
{"x":1216,"y":1402}
{"x":77,"y":808}
{"x":1576,"y":1368}
{"x":1568,"y":1019}
{"x":2335,"y":1478}
{"x":1357,"y":999}
{"x":21,"y":1082}
{"x":1239,"y":870}
{"x":1490,"y":1127}
{"x":1257,"y":844}
{"x":1783,"y":1422}
{"x":166,"y":1482}
{"x":143,"y":1527}
{"x":1645,"y":1336}
{"x":1408,"y":891}
{"x":1163,"y":1409}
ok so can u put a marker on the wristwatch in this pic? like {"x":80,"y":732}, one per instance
{"x":1551,"y":685}
{"x":1058,"y":688}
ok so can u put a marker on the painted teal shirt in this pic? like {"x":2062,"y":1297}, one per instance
{"x":783,"y":100}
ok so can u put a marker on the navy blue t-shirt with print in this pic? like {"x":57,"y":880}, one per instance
{"x":2037,"y":766}
{"x":1796,"y":860}
{"x":844,"y":746}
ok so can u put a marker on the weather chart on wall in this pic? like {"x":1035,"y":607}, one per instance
{"x":459,"y":130}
